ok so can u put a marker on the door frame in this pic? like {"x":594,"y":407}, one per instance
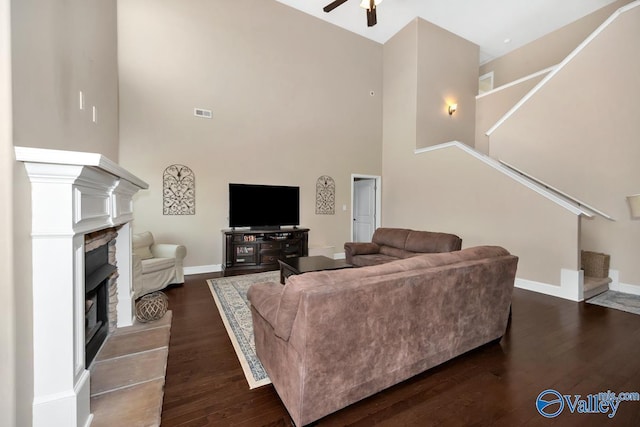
{"x":378,"y":180}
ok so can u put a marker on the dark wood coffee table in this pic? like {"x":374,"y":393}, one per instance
{"x":306,"y":264}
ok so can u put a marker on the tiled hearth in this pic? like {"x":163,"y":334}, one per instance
{"x":127,"y":376}
{"x":72,"y":194}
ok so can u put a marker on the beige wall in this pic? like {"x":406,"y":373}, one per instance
{"x":580,"y":133}
{"x":491,"y":106}
{"x":7,"y":291}
{"x":290,"y":96}
{"x":547,"y":50}
{"x":451,"y":191}
{"x":446,"y":75}
{"x":58,"y":49}
{"x":418,"y":88}
{"x":400,"y":104}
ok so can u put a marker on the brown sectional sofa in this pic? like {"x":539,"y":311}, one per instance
{"x":390,"y":244}
{"x":328,"y":339}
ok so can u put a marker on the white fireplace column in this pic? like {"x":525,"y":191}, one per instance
{"x":72,"y":193}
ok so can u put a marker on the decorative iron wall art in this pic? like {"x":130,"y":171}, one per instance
{"x":325,"y":195}
{"x":178,"y":191}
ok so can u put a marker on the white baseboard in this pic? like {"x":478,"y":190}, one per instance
{"x":615,"y":284}
{"x":340,"y":255}
{"x":201,"y":269}
{"x":542,"y":288}
{"x":572,"y":285}
{"x":569,"y":288}
{"x":69,"y":407}
{"x":628,"y":288}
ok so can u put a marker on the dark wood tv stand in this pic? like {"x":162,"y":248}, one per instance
{"x":255,"y":250}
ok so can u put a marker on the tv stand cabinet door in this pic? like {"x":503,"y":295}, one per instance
{"x":291,"y":248}
{"x":245,"y":254}
{"x":270,"y":252}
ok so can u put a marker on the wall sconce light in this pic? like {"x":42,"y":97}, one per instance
{"x":452,"y":109}
{"x":366,"y":4}
{"x":634,"y":205}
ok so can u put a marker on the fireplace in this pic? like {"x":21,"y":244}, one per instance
{"x":97,"y":278}
{"x":73,"y":196}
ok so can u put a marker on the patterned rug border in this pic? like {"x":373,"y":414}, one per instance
{"x":612,"y":299}
{"x":256,"y":377}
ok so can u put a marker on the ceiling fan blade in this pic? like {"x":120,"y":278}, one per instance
{"x":372,"y":19}
{"x":333,"y":5}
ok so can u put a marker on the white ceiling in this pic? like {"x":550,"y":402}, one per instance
{"x":487,"y":23}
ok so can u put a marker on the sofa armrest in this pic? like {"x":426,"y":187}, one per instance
{"x":166,"y":250}
{"x":265,"y":299}
{"x":359,"y":248}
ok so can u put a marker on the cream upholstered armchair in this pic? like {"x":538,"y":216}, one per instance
{"x":155,"y":265}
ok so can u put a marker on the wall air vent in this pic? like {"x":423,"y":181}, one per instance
{"x":201,"y":112}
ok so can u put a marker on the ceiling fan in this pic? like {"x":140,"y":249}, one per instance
{"x":369,"y":5}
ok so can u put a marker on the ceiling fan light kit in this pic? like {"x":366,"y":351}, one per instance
{"x":369,"y":5}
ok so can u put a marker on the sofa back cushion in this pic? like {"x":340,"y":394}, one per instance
{"x":415,"y":241}
{"x":394,"y":237}
{"x":142,"y":245}
{"x":395,"y":252}
{"x":430,"y":260}
{"x":427,"y":241}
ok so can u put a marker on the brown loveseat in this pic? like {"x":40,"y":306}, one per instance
{"x":390,"y":244}
{"x":330,"y":338}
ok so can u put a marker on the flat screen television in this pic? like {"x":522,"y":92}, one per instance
{"x":263,"y":206}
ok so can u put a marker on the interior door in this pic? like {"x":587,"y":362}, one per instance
{"x":364,"y":209}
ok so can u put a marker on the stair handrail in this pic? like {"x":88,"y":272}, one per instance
{"x":558,"y":191}
{"x":517,"y":81}
{"x":568,"y":203}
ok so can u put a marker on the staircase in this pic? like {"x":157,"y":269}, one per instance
{"x":577,"y":129}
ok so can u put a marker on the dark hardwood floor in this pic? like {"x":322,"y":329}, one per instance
{"x":574,"y":348}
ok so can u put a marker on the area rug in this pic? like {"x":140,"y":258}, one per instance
{"x":230,"y":295}
{"x":618,"y":300}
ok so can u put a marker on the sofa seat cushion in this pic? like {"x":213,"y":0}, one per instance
{"x":364,"y":248}
{"x":157,"y":264}
{"x":372,"y":259}
{"x":397,"y":253}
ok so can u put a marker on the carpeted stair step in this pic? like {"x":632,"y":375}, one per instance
{"x":595,"y":285}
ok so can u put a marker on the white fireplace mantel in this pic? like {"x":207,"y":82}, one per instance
{"x":72,"y":193}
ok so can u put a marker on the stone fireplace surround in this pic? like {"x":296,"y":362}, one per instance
{"x":72,"y":194}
